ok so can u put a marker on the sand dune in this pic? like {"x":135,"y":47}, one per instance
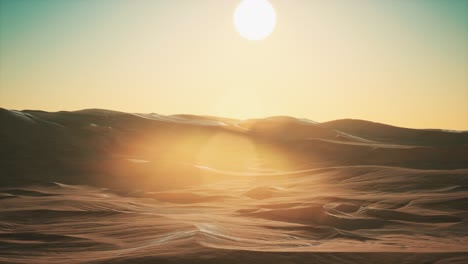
{"x":400,"y":135}
{"x":98,"y":186}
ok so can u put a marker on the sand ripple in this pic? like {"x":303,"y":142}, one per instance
{"x":299,"y":217}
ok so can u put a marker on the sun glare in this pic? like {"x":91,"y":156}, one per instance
{"x":255,"y":19}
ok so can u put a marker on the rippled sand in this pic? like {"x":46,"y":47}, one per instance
{"x":98,"y":186}
{"x":335,"y":215}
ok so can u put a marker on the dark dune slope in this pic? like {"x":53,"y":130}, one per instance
{"x":397,"y":135}
{"x":128,"y":150}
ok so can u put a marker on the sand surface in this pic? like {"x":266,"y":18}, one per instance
{"x":97,"y":186}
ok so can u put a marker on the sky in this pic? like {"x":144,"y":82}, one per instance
{"x":400,"y":62}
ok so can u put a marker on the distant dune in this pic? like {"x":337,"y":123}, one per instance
{"x":97,"y":146}
{"x":398,"y":135}
{"x":100,"y":186}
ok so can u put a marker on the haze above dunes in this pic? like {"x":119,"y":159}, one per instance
{"x":99,"y":186}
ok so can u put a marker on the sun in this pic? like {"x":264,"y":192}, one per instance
{"x":255,"y":19}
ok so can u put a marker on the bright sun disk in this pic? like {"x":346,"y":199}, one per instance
{"x":255,"y":19}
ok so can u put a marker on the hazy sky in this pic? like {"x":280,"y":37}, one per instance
{"x":402,"y":62}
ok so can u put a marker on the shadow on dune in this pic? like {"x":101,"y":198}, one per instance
{"x":101,"y":147}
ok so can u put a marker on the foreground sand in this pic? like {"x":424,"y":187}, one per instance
{"x":105,"y":187}
{"x":340,"y":215}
